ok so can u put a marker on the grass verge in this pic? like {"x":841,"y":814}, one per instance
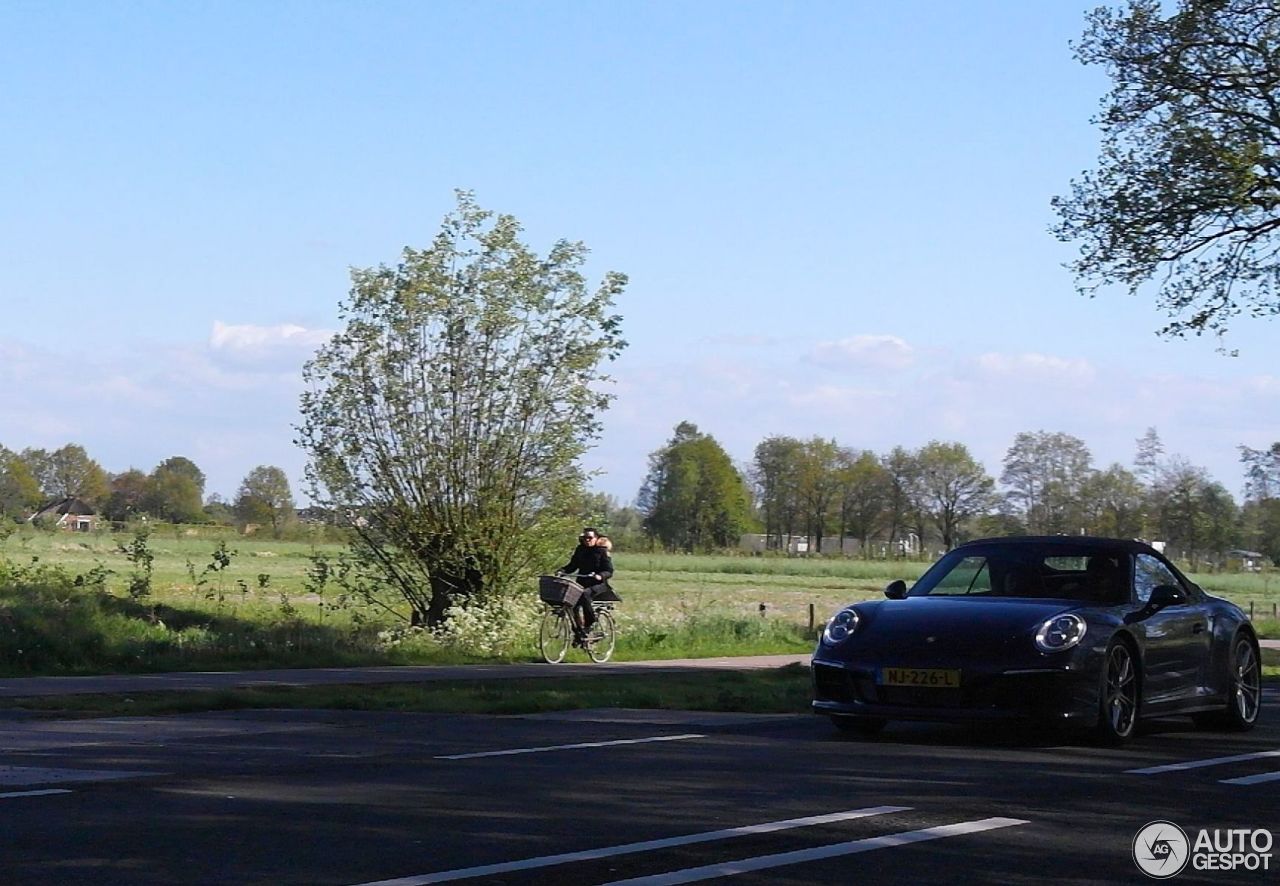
{"x":778,"y":691}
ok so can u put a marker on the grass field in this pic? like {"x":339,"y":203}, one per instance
{"x":259,"y":611}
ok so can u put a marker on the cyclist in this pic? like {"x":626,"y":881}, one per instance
{"x":592,"y":567}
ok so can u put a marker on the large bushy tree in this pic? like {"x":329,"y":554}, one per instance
{"x":954,"y":487}
{"x":1112,"y":502}
{"x":128,"y":495}
{"x":1186,"y":195}
{"x":774,"y":473}
{"x":265,"y":498}
{"x":819,"y":483}
{"x":68,"y":472}
{"x":19,"y":490}
{"x":175,"y":491}
{"x":1261,"y":471}
{"x":1045,"y":473}
{"x":1262,"y":487}
{"x":866,"y":490}
{"x":693,"y":498}
{"x":448,"y":415}
{"x":1197,"y":516}
{"x":904,"y":508}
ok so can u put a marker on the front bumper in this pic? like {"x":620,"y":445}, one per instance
{"x":1061,"y":693}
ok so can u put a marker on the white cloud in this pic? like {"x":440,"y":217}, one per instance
{"x":888,"y":352}
{"x":283,"y":345}
{"x":1038,"y":365}
{"x":982,"y":400}
{"x":138,"y":406}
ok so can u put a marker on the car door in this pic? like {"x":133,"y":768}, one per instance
{"x":1177,"y":637}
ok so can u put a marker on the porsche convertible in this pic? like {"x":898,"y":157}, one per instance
{"x":1094,"y":632}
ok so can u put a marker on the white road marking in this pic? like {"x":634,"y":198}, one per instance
{"x":765,"y":862}
{"x":1253,"y":779}
{"x":566,"y":747}
{"x":11,"y":794}
{"x":1200,"y":764}
{"x":645,"y":846}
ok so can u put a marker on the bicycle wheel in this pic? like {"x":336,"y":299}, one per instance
{"x":602,"y":637}
{"x":553,"y":636}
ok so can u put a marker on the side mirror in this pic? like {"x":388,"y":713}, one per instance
{"x":896,"y":589}
{"x":1166,"y":595}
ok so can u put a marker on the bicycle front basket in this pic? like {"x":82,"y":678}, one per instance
{"x":554,"y":589}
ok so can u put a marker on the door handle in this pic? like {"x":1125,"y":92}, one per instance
{"x":1197,"y":628}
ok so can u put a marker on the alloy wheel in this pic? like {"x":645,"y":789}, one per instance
{"x":1246,"y":680}
{"x":1120,"y":702}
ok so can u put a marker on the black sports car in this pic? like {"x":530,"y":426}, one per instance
{"x":1098,"y":632}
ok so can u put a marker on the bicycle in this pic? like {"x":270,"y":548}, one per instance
{"x":560,"y":594}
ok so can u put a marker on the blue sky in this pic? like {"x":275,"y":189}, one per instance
{"x":834,"y":217}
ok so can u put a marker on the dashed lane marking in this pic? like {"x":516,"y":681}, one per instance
{"x":566,"y":747}
{"x":765,"y":862}
{"x":1200,"y":764}
{"x":645,"y":846}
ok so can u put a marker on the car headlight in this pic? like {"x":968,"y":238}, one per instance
{"x":841,"y":626}
{"x":1060,"y":632}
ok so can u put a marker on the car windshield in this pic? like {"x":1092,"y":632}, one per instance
{"x":1051,"y":572}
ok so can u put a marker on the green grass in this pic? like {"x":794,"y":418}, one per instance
{"x":259,"y":612}
{"x":782,"y":690}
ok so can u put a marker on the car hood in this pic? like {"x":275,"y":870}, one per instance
{"x":941,"y":627}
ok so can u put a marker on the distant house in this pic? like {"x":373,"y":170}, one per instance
{"x":70,"y":513}
{"x":316,"y":516}
{"x":906,"y":546}
{"x":1246,"y":561}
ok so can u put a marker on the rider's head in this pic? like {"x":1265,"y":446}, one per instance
{"x":589,"y":536}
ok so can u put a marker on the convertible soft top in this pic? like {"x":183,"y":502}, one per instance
{"x":1129,"y":545}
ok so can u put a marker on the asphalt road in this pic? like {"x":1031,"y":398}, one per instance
{"x":307,"y":797}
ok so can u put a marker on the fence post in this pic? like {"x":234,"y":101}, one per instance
{"x":811,"y":622}
{"x":1250,"y":610}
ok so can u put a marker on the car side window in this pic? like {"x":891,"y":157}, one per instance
{"x":969,"y":576}
{"x":1149,"y":573}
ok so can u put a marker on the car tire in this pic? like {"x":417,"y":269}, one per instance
{"x":1119,"y":694}
{"x":867,"y":727}
{"x":1244,"y":690}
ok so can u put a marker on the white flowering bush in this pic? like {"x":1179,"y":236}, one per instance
{"x":493,"y":626}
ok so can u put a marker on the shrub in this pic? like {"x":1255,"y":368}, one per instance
{"x":497,"y":625}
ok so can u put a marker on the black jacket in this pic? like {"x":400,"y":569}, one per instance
{"x":586,"y":560}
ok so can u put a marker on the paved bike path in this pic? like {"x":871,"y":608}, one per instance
{"x":194,"y":681}
{"x":189,"y":681}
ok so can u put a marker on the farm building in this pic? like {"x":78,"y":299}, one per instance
{"x":1245,"y":561}
{"x":70,"y":513}
{"x":832,"y":545}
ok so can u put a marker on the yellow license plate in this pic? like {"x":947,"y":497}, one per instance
{"x":928,"y":678}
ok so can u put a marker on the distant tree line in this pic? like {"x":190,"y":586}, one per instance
{"x":173,"y":492}
{"x":694,"y":498}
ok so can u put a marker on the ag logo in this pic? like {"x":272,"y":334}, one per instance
{"x":1161,"y":849}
